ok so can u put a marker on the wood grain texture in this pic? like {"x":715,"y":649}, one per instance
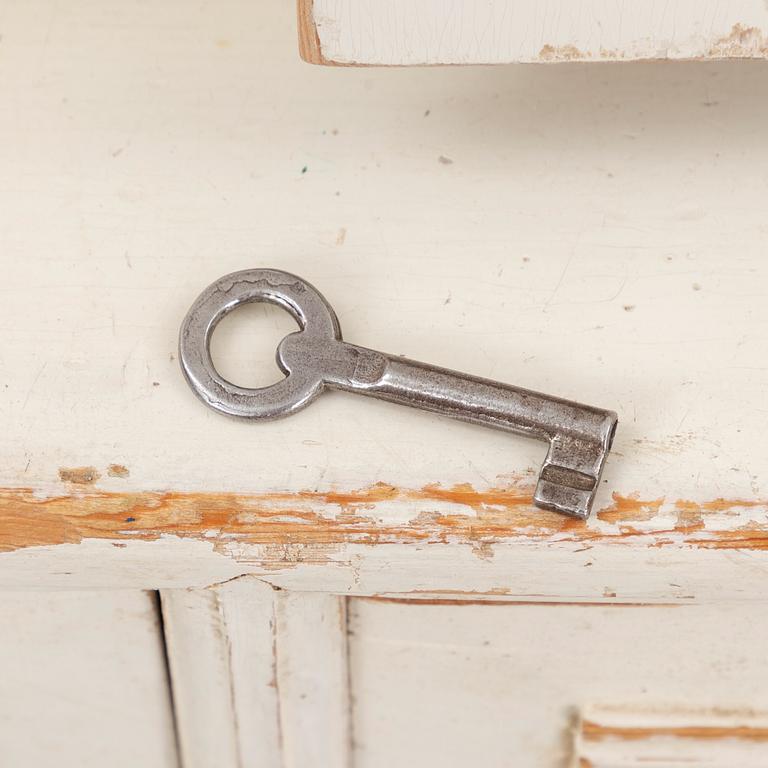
{"x":401,"y":32}
{"x":309,"y":41}
{"x":275,"y":534}
{"x":606,"y":245}
{"x":430,"y":515}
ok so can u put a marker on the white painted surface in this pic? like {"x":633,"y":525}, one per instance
{"x":312,"y":680}
{"x":412,"y":32}
{"x":83,"y":682}
{"x":517,"y":569}
{"x":157,"y":172}
{"x":221,"y":652}
{"x":599,"y":238}
{"x":472,"y":685}
{"x":259,"y":676}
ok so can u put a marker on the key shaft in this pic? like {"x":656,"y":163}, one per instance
{"x":579,"y":435}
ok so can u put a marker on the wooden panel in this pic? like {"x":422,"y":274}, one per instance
{"x":259,"y":676}
{"x":623,"y":737}
{"x":83,"y":682}
{"x":607,"y":245}
{"x":457,"y":685}
{"x":312,"y":680}
{"x":409,"y":32}
{"x":221,"y":652}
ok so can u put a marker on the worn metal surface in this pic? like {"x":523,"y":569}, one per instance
{"x":315,"y":357}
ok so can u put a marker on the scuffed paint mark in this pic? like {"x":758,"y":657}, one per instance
{"x":483,"y":550}
{"x":118,"y":470}
{"x":741,"y":43}
{"x":562,"y":53}
{"x":569,"y":52}
{"x":79,"y":475}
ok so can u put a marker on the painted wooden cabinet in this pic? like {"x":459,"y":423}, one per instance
{"x":363,"y":585}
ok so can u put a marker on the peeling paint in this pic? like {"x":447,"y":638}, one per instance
{"x":630,"y":509}
{"x":597,"y":731}
{"x":297,"y":527}
{"x":512,"y":602}
{"x":741,"y":43}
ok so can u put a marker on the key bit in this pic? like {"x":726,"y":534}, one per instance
{"x":316,"y":357}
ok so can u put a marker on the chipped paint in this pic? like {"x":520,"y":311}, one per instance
{"x":630,"y":509}
{"x":513,"y":602}
{"x":79,"y":475}
{"x":350,"y":33}
{"x":289,"y":523}
{"x":741,"y":43}
{"x":663,"y":735}
{"x":562,"y":53}
{"x":592,"y":731}
{"x":118,"y":470}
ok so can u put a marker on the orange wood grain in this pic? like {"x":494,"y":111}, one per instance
{"x":309,"y":42}
{"x":598,"y":731}
{"x":355,"y":516}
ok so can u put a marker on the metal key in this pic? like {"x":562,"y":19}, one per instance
{"x":315,"y":357}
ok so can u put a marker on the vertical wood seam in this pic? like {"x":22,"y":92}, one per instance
{"x":158,"y":596}
{"x":221,"y":611}
{"x":344,"y":621}
{"x":276,"y":676}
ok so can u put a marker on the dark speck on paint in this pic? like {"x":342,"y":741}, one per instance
{"x":130,"y":519}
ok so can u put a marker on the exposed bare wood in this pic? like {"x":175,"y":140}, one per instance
{"x":309,"y":42}
{"x":430,"y":515}
{"x":622,"y":737}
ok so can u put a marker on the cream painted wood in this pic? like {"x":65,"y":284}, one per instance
{"x":408,"y":32}
{"x":83,"y":682}
{"x":312,"y":680}
{"x":259,"y":676}
{"x":625,"y":737}
{"x":601,"y":238}
{"x":458,"y":685}
{"x":220,"y":650}
{"x":596,"y":233}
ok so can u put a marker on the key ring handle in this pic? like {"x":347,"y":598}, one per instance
{"x":316,"y":319}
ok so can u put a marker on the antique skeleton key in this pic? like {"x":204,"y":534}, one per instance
{"x":315,"y":357}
